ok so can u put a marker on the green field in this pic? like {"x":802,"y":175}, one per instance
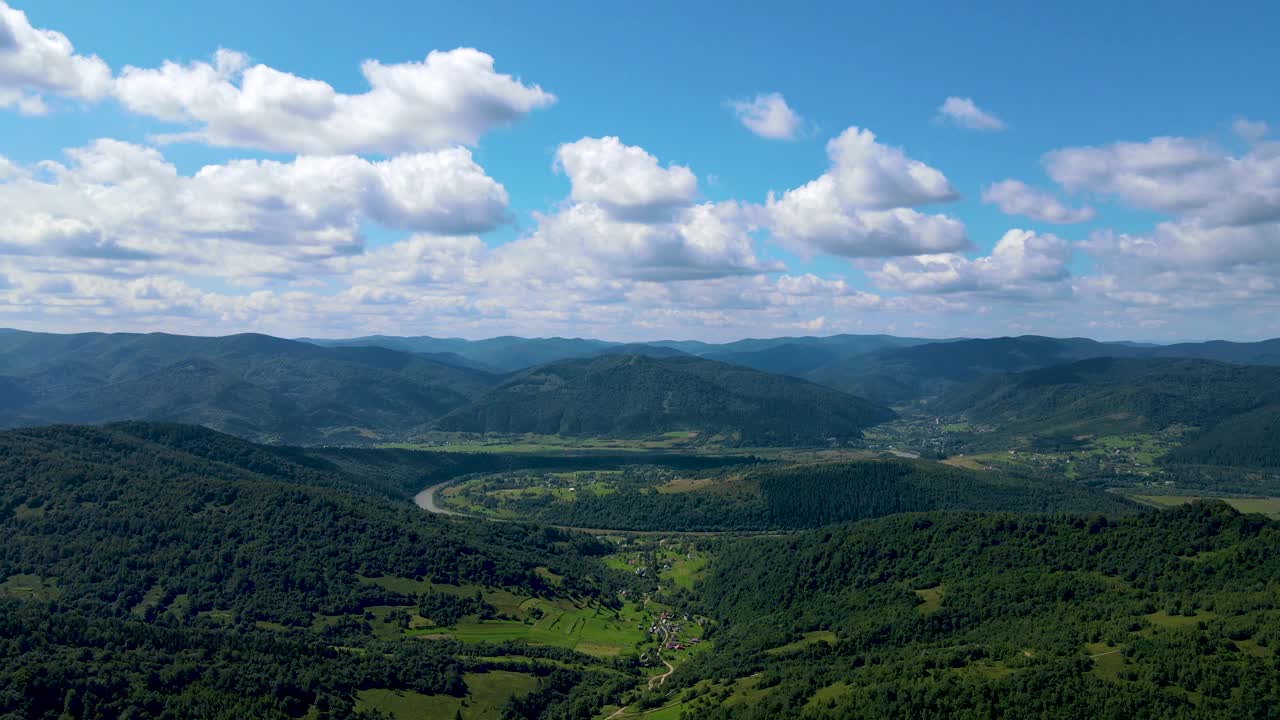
{"x":827,"y":695}
{"x":686,"y":568}
{"x":809,"y":638}
{"x":1108,"y":660}
{"x":487,"y":693}
{"x":691,"y":702}
{"x":1263,"y":505}
{"x":931,"y":600}
{"x":30,"y":587}
{"x":583,"y":626}
{"x":1162,"y":619}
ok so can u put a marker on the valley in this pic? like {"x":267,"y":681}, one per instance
{"x":419,"y":360}
{"x":999,"y":540}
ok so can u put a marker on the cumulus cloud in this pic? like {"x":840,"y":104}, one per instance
{"x":861,"y":207}
{"x":1017,"y":198}
{"x":1187,"y":246}
{"x":768,"y":116}
{"x":1218,"y":250}
{"x":964,"y":112}
{"x":35,"y":62}
{"x":870,"y":175}
{"x":1180,"y":176}
{"x":625,"y":180}
{"x":452,"y":97}
{"x":1022,"y":263}
{"x":123,"y":202}
{"x":702,"y":241}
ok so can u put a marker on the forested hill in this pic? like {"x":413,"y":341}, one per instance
{"x":881,"y":367}
{"x":908,"y":373}
{"x":255,"y":386}
{"x":170,"y":571}
{"x":960,"y":616}
{"x":808,"y":495}
{"x":504,"y":354}
{"x":1108,"y":395}
{"x":509,"y":353}
{"x":632,"y":395}
{"x":267,"y":533}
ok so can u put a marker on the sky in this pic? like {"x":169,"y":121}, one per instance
{"x":634,"y":172}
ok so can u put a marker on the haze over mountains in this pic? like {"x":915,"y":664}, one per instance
{"x":250,"y":385}
{"x":629,"y":395}
{"x":881,"y":367}
{"x":763,"y":391}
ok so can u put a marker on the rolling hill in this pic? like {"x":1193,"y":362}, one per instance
{"x":940,"y":616}
{"x":910,"y":373}
{"x":1236,"y":408}
{"x":501,"y":354}
{"x":780,"y":496}
{"x":152,"y":570}
{"x":884,"y":368}
{"x":254,"y":386}
{"x":508,"y":353}
{"x":1123,"y":395}
{"x":636,"y":395}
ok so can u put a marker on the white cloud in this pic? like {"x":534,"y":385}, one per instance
{"x":1188,"y":246}
{"x":452,"y":97}
{"x":768,"y":116}
{"x":35,"y":61}
{"x":868,"y":175}
{"x":861,"y":206}
{"x":702,"y":241}
{"x":1016,"y":198}
{"x":624,"y":179}
{"x":811,"y":217}
{"x":1022,"y":263}
{"x":116,"y":207}
{"x":1219,"y":253}
{"x":965,"y":112}
{"x":1185,"y":177}
{"x":1250,"y":130}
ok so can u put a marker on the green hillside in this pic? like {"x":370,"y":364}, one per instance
{"x":633,"y":395}
{"x":170,"y":571}
{"x":1152,"y":615}
{"x":254,"y":386}
{"x":1230,"y":407}
{"x":909,"y":373}
{"x":765,"y":496}
{"x":1250,"y":439}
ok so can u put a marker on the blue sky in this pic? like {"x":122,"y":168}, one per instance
{"x":1166,"y":253}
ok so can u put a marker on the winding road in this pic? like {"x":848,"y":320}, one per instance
{"x":661,"y":679}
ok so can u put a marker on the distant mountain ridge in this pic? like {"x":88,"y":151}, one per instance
{"x":379,"y":388}
{"x":884,"y":368}
{"x":631,"y":395}
{"x":909,"y":373}
{"x":509,"y":353}
{"x":255,"y":386}
{"x":1235,"y":407}
{"x":275,"y":390}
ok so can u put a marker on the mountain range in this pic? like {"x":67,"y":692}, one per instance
{"x":790,"y":390}
{"x":884,"y":368}
{"x":633,"y":395}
